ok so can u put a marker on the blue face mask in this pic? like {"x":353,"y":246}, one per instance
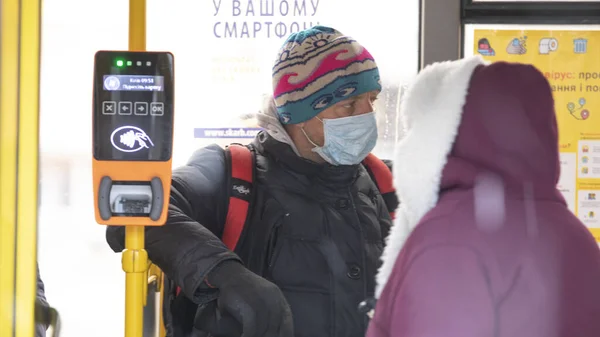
{"x":348,"y":140}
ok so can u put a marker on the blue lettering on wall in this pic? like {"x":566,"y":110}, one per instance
{"x":256,"y":29}
{"x":226,"y":132}
{"x":245,"y":28}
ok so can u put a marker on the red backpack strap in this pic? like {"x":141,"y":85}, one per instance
{"x":241,"y":173}
{"x":240,"y":167}
{"x":381,"y":174}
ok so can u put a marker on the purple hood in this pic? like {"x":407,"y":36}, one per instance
{"x":462,"y":119}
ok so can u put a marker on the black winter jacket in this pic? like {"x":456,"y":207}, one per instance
{"x":315,"y":230}
{"x":40,"y":328}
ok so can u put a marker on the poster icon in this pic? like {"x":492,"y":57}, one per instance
{"x":484,"y":48}
{"x":580,"y":46}
{"x":578,"y":113}
{"x":517,"y":46}
{"x":547,"y":45}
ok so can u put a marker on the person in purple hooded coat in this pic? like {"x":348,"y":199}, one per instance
{"x":483,"y":244}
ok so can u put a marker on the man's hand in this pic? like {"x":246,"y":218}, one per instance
{"x":246,"y":302}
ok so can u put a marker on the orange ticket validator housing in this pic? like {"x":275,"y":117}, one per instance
{"x":132,"y":137}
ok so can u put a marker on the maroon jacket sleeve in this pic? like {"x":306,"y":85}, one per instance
{"x":444,"y":291}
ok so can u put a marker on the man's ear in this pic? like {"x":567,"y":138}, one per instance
{"x":290,"y":127}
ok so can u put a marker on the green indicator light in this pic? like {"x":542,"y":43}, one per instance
{"x":119,"y":63}
{"x":129,"y":63}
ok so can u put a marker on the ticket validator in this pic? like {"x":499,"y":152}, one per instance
{"x":132,"y":131}
{"x":132,"y":137}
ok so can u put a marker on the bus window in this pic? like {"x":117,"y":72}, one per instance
{"x":234,"y":46}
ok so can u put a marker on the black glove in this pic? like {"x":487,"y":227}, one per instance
{"x":247,"y":304}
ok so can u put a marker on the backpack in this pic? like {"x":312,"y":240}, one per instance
{"x":241,"y":170}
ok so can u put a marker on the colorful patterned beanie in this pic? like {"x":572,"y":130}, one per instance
{"x":318,"y":68}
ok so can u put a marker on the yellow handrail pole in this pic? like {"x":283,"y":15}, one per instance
{"x":162,"y":332}
{"x":9,"y":79}
{"x":135,"y":257}
{"x":28,"y":151}
{"x":134,"y":262}
{"x":137,"y":25}
{"x":19,"y":121}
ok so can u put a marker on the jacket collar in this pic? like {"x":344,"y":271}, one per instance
{"x":282,"y":153}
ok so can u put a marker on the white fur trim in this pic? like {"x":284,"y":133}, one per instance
{"x":431,"y":113}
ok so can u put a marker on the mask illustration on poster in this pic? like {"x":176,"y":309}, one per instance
{"x":484,"y":47}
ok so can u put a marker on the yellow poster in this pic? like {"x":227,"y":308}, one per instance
{"x":570,"y":60}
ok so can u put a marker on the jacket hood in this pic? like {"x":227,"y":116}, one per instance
{"x":268,"y":119}
{"x":279,"y":144}
{"x":464,"y":121}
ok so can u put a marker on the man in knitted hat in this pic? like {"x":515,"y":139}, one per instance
{"x":324,"y":86}
{"x":293,"y":236}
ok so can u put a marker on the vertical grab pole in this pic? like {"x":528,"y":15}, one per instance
{"x":135,"y":257}
{"x":135,"y":262}
{"x":19,"y":151}
{"x":137,"y":25}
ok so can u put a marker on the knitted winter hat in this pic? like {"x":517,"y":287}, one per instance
{"x":317,"y":68}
